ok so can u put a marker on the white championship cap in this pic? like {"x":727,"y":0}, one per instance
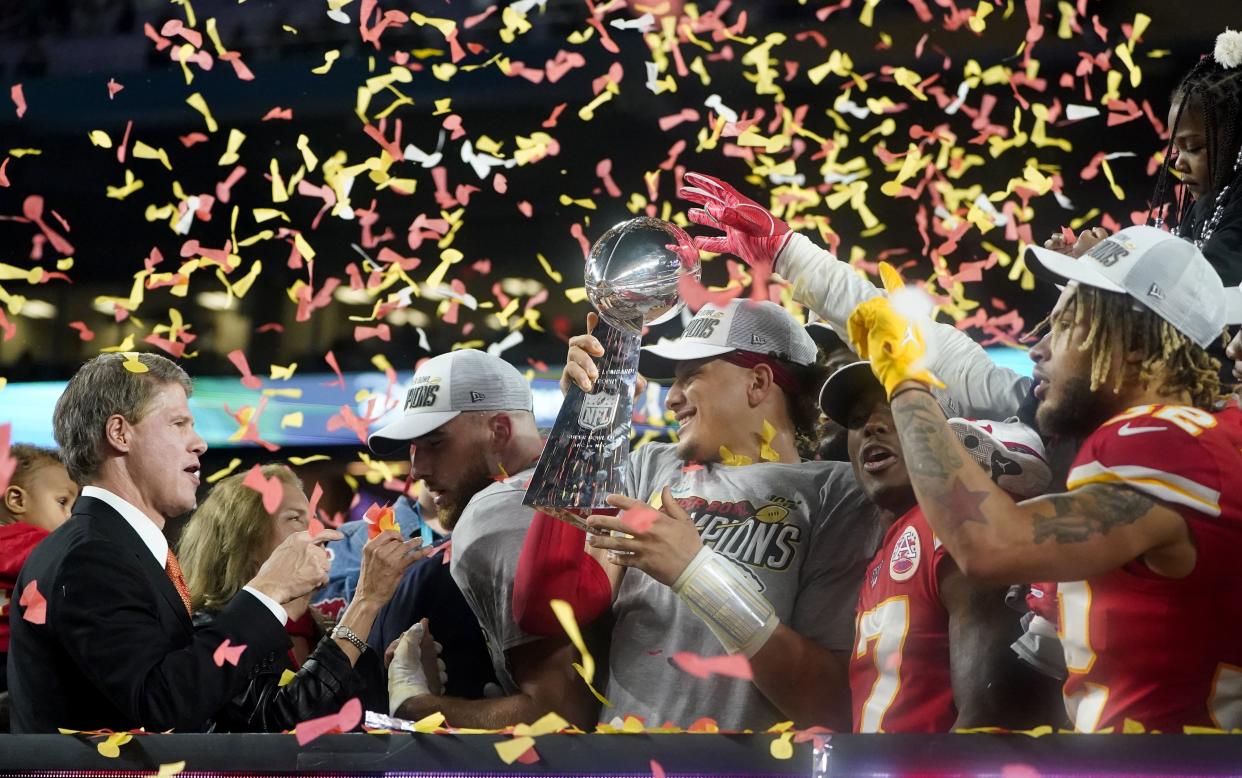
{"x":761,"y":327}
{"x":449,"y":385}
{"x":1160,"y":270}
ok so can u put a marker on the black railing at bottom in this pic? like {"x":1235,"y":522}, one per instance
{"x":428,"y":756}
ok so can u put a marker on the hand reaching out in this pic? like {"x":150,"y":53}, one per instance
{"x":1085,"y":242}
{"x":751,"y":232}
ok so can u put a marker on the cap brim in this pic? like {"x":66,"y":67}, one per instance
{"x":1054,"y":266}
{"x":659,"y":361}
{"x":393,"y":437}
{"x":824,"y":336}
{"x":844,"y":387}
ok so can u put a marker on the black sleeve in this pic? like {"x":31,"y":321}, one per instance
{"x":1224,"y":249}
{"x":325,"y":682}
{"x":111,"y":629}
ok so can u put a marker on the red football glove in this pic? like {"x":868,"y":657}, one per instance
{"x":751,"y":232}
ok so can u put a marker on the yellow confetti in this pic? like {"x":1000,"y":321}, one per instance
{"x":445,"y":26}
{"x":224,"y":472}
{"x":230,"y":157}
{"x":429,"y":723}
{"x":1118,"y":192}
{"x":143,"y":151}
{"x":170,"y":769}
{"x":443,"y":106}
{"x":100,"y":139}
{"x":291,"y":420}
{"x":977,"y":22}
{"x":510,"y":750}
{"x":299,"y":461}
{"x":279,"y":195}
{"x":328,"y":58}
{"x":111,"y":747}
{"x":304,"y":248}
{"x":547,"y":268}
{"x":565,"y":615}
{"x":766,"y":452}
{"x":131,"y":185}
{"x":727,"y":457}
{"x":781,"y":747}
{"x":286,"y":676}
{"x":197,"y":102}
{"x":546,"y":725}
{"x":266,"y":214}
{"x":307,"y":155}
{"x":279,"y":373}
{"x":64,"y":264}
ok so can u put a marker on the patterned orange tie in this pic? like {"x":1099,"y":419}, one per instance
{"x":178,"y":580}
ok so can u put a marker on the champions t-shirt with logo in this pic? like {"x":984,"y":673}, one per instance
{"x":801,"y":531}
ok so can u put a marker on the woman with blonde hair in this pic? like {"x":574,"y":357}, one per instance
{"x":226,"y":541}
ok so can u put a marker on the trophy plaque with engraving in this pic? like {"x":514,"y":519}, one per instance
{"x":632,"y":276}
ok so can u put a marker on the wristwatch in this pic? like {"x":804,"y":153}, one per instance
{"x":345,"y":633}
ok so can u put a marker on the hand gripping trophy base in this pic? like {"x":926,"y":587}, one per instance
{"x":589,"y":446}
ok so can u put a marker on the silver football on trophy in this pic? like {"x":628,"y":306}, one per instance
{"x":633,"y":272}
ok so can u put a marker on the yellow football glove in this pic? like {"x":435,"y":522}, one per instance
{"x":893,"y":344}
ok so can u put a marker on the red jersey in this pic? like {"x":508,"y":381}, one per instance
{"x":1164,"y":652}
{"x":17,"y":540}
{"x":900,"y":679}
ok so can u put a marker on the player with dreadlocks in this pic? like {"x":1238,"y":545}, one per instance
{"x":1144,"y":535}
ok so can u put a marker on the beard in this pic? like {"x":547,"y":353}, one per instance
{"x":476,"y":478}
{"x":1079,"y":410}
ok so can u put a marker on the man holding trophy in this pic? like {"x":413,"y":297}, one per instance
{"x":736,"y":541}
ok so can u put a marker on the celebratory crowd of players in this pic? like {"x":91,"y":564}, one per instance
{"x":1102,"y":498}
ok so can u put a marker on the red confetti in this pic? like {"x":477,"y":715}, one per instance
{"x":113,"y":88}
{"x":656,"y":770}
{"x":731,"y":665}
{"x":19,"y":99}
{"x":4,"y":179}
{"x":271,"y":489}
{"x":84,"y":332}
{"x":639,"y":519}
{"x":248,"y":379}
{"x":34,"y":604}
{"x":343,"y":721}
{"x":227,"y":653}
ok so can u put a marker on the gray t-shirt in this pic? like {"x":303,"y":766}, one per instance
{"x":486,"y":544}
{"x":803,"y":531}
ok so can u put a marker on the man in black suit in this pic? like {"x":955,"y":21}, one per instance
{"x":115,"y":647}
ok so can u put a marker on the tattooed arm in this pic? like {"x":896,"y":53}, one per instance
{"x":1059,"y":537}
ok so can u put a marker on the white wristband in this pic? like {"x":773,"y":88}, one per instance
{"x":728,"y":603}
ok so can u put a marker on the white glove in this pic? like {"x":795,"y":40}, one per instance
{"x":407,"y":675}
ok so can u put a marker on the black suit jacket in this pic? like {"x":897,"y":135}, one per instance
{"x":118,"y":650}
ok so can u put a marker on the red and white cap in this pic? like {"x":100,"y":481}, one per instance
{"x":1010,"y":452}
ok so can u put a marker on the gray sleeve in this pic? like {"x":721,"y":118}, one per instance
{"x":976,"y":386}
{"x":845,"y":538}
{"x":485,"y":567}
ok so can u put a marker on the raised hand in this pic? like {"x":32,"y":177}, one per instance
{"x":580,"y":369}
{"x":1085,"y":241}
{"x":892,"y":343}
{"x":385,"y":558}
{"x":751,"y":232}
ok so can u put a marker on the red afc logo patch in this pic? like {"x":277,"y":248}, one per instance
{"x":905,"y":559}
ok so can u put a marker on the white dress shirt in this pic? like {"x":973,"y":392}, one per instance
{"x":153,"y":538}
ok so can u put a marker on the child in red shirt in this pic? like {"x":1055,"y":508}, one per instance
{"x":38,"y":499}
